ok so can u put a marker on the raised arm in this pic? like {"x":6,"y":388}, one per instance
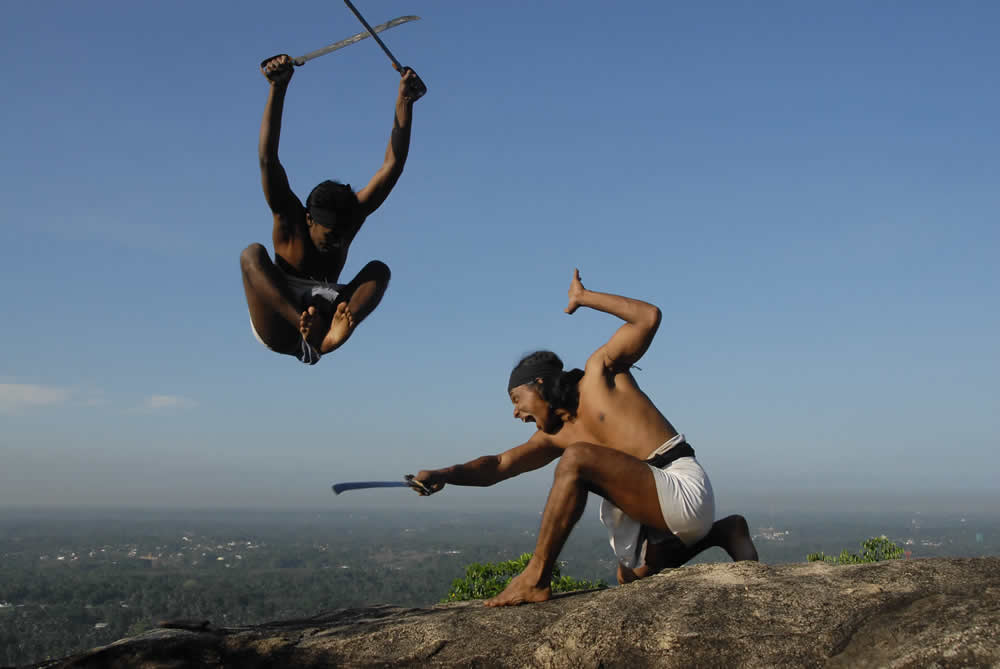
{"x":489,"y":469}
{"x":277,"y":192}
{"x":374,"y":194}
{"x":631,"y":340}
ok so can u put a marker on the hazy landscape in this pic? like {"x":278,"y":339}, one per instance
{"x":74,"y":579}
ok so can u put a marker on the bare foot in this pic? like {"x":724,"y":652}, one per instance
{"x":627,"y":575}
{"x":341,"y":327}
{"x":521,"y":591}
{"x":312,"y":324}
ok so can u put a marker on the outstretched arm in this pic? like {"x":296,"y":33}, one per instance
{"x":374,"y":194}
{"x":277,"y":192}
{"x":631,"y":340}
{"x":489,"y":469}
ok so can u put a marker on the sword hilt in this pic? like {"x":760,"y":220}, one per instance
{"x":416,"y":85}
{"x":266,"y":60}
{"x":419,"y":486}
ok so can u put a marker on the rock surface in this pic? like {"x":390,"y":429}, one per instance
{"x":904,"y":613}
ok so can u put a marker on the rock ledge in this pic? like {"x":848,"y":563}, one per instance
{"x":905,"y":613}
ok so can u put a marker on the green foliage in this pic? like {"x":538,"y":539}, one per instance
{"x":488,"y":580}
{"x":875,"y":549}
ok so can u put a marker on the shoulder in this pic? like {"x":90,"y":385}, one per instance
{"x":541,"y":439}
{"x":290,"y":242}
{"x":601,"y":364}
{"x":601,"y":377}
{"x":598,"y":370}
{"x":290,"y":221}
{"x":542,"y":444}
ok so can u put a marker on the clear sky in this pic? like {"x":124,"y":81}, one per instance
{"x":807,"y":190}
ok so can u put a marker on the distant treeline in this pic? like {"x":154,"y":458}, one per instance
{"x":234,"y":569}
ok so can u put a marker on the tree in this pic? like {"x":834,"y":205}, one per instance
{"x":875,"y":549}
{"x":488,"y":580}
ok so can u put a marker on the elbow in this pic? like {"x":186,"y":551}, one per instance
{"x":499,"y":470}
{"x":652,"y":317}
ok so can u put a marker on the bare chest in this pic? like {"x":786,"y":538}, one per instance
{"x":306,"y":261}
{"x":621,"y":419}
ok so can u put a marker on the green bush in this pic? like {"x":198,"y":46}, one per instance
{"x":875,"y":549}
{"x":488,"y":580}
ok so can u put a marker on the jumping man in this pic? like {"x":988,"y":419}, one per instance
{"x":296,"y":304}
{"x":610,"y":440}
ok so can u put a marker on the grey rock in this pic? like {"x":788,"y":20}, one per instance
{"x":905,"y":613}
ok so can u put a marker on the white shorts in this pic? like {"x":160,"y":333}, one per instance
{"x":686,"y":499}
{"x":686,"y":502}
{"x":305,"y":290}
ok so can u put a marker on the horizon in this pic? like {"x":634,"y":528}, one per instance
{"x":847,"y":503}
{"x":807,"y":193}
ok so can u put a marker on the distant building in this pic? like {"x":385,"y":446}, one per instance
{"x":771,"y":534}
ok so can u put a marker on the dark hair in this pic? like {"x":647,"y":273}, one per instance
{"x":332,"y":195}
{"x":559,"y":388}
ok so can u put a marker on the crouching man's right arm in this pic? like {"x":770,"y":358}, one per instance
{"x":489,"y":469}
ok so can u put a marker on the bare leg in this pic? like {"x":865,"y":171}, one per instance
{"x":363,"y":293}
{"x":624,"y":480}
{"x":731,"y":534}
{"x":273,"y":309}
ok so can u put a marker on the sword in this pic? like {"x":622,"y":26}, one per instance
{"x":302,"y":60}
{"x":408,"y":482}
{"x":416,"y":85}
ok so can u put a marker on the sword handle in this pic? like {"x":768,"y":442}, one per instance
{"x":416,"y":85}
{"x":295,"y":61}
{"x":412,"y":481}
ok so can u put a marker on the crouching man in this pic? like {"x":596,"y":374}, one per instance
{"x":612,"y":441}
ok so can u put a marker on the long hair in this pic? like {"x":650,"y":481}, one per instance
{"x":559,"y":388}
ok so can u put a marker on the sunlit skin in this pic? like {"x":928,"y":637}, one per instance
{"x":600,"y":448}
{"x":308,"y":248}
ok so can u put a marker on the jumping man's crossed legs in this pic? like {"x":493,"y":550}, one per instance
{"x":281,"y":321}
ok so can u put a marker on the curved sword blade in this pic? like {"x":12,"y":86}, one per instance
{"x":301,"y":60}
{"x":361,"y":485}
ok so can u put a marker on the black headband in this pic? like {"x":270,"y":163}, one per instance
{"x":527,"y":372}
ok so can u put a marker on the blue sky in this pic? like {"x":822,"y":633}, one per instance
{"x":808,"y":192}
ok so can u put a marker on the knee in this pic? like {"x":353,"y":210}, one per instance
{"x":253,"y":257}
{"x":376,"y":270}
{"x":736,"y":524}
{"x":573,"y":461}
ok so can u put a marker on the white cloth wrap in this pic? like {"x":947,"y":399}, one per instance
{"x":686,"y":502}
